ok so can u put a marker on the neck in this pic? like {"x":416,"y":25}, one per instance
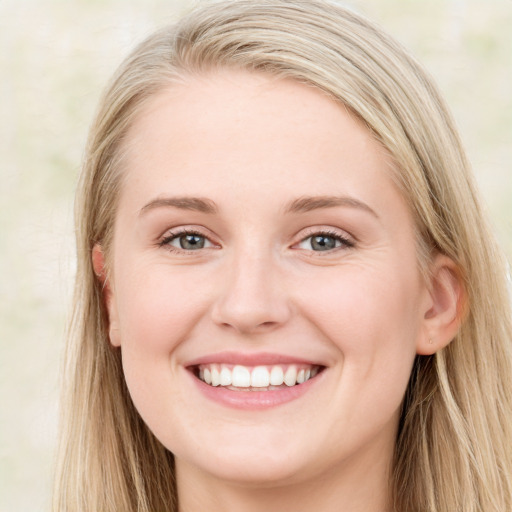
{"x":357,"y":487}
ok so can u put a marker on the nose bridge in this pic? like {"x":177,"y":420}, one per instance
{"x":252,"y":297}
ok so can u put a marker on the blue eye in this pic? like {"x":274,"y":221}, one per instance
{"x":321,"y":242}
{"x":187,"y":241}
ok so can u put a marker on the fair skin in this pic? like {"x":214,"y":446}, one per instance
{"x":263,"y":279}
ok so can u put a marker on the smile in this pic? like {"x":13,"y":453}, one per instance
{"x":255,"y":378}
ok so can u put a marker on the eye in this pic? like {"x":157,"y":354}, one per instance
{"x":186,"y":241}
{"x":324,"y":241}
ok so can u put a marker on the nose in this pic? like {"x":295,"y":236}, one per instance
{"x":252,"y":297}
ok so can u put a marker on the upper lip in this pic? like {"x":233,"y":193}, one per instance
{"x":250,"y":359}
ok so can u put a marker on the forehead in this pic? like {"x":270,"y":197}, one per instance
{"x":257,"y":134}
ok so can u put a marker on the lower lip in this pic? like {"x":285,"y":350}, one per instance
{"x":254,"y":400}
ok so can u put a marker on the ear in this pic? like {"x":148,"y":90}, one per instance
{"x":98,"y":263}
{"x":444,"y":306}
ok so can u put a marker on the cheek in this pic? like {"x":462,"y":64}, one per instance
{"x":157,"y":309}
{"x":372,"y":317}
{"x":356,"y":300}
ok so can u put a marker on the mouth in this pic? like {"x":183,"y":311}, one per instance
{"x":255,"y":378}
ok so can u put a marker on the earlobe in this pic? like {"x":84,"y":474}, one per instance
{"x":98,"y":263}
{"x":444,"y":311}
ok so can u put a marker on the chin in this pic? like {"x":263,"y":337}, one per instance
{"x":260,"y":463}
{"x":264,"y":472}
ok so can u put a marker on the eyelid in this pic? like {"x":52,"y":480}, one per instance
{"x":171,"y":240}
{"x":171,"y":234}
{"x":347,"y":240}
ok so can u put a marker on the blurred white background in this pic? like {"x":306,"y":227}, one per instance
{"x":55,"y":57}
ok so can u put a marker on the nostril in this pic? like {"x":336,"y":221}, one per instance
{"x":248,"y":324}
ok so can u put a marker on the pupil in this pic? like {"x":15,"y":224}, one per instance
{"x":192,"y":242}
{"x":323,"y":243}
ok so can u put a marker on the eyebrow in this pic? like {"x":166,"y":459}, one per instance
{"x":307,"y":204}
{"x":300,"y":205}
{"x":197,"y":204}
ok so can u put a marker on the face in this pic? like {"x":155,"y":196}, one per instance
{"x":265,"y":291}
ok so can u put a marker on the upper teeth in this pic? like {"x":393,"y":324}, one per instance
{"x":256,"y":377}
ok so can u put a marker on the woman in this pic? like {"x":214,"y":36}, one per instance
{"x":287,"y":296}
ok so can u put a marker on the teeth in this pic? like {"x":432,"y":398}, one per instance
{"x":241,"y":377}
{"x":290,"y":377}
{"x":258,"y":377}
{"x":215,"y":376}
{"x":225,"y":377}
{"x":276,"y":376}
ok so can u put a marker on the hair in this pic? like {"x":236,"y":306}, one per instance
{"x":454,"y":444}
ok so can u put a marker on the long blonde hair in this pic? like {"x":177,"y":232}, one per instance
{"x":454,"y":445}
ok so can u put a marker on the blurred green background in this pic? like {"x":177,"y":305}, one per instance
{"x":55,"y":57}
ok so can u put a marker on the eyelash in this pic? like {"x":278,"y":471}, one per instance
{"x":346,"y":243}
{"x":173,"y":235}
